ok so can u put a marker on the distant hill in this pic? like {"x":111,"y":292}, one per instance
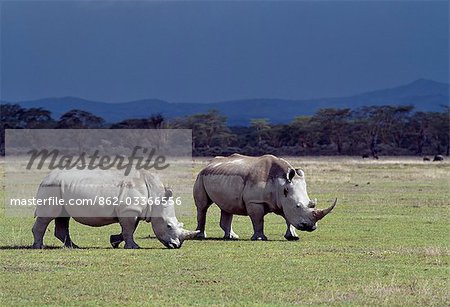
{"x":425,"y":95}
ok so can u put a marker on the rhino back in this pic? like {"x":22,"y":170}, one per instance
{"x":251,"y":169}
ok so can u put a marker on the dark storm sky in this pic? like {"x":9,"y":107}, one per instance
{"x":212,"y":51}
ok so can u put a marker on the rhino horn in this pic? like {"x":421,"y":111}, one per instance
{"x":189,"y":235}
{"x":320,"y":214}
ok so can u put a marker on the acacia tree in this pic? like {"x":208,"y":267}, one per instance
{"x":396,"y":127}
{"x":381,"y":124}
{"x":37,"y":118}
{"x":13,"y":116}
{"x":439,"y":132}
{"x":208,"y":129}
{"x":331,"y":125}
{"x":155,"y":121}
{"x":301,"y":132}
{"x":261,"y":129}
{"x":420,"y":128}
{"x":78,"y":119}
{"x":10,"y":118}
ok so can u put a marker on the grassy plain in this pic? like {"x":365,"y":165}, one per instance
{"x":386,"y":243}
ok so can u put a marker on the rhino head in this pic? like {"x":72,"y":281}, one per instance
{"x":167,"y":228}
{"x":170,"y":232}
{"x":299,"y":210}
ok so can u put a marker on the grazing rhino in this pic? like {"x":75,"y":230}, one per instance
{"x":255,"y":186}
{"x":95,"y":188}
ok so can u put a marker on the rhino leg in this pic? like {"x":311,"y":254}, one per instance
{"x":291,"y":235}
{"x":115,"y":240}
{"x":256,"y":213}
{"x":62,"y":231}
{"x":225,"y":223}
{"x":39,"y":228}
{"x":202,"y":202}
{"x":128,"y":225}
{"x":201,"y":223}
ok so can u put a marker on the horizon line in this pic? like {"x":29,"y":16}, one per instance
{"x":220,"y":101}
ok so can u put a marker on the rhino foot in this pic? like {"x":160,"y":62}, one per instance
{"x":292,"y":238}
{"x":259,"y":238}
{"x":231,"y":236}
{"x":201,"y":235}
{"x":71,"y":245}
{"x":37,"y":246}
{"x":115,"y":244}
{"x":131,"y":246}
{"x":115,"y":240}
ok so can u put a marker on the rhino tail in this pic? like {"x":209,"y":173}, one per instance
{"x":200,"y":195}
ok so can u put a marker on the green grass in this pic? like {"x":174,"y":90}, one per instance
{"x":386,"y":243}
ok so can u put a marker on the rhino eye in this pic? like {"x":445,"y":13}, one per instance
{"x":169,"y":226}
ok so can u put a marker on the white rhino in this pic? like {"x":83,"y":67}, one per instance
{"x":95,"y":188}
{"x":255,"y":186}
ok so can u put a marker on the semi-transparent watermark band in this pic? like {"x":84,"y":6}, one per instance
{"x":98,"y":172}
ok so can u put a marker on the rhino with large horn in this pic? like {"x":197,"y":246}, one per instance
{"x":100,"y":197}
{"x":255,"y":186}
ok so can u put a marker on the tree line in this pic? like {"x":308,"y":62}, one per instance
{"x":370,"y":130}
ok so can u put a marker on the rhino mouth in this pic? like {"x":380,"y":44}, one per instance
{"x":308,"y":228}
{"x":171,"y":244}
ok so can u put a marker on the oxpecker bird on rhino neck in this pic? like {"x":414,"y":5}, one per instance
{"x":255,"y":186}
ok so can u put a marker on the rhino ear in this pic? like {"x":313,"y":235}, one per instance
{"x":290,"y":175}
{"x":168,"y":192}
{"x":300,"y":172}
